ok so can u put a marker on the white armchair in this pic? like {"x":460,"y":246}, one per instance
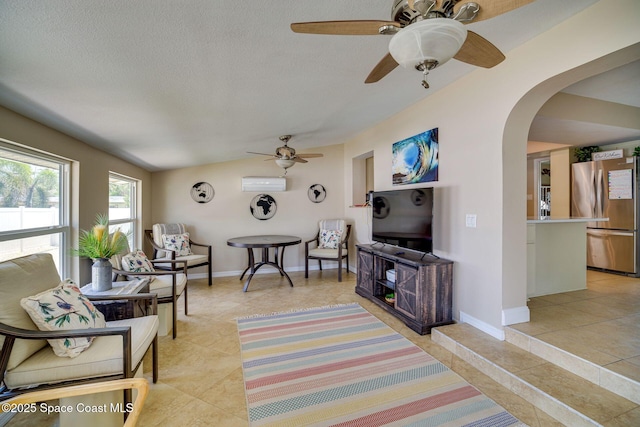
{"x":172,"y":242}
{"x":28,"y":362}
{"x":331,"y":243}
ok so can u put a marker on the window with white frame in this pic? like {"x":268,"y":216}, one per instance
{"x":34,"y":204}
{"x":122,"y":206}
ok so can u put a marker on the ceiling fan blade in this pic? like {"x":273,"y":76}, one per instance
{"x":261,"y":154}
{"x":493,"y":8}
{"x":309,"y":155}
{"x":384,"y":67}
{"x":299,"y":160}
{"x":478,"y":51}
{"x":348,"y":28}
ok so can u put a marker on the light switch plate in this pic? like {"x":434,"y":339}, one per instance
{"x":471,"y":220}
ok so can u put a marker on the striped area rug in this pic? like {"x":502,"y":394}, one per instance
{"x":342,"y":366}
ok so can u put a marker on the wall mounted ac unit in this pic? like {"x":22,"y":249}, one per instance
{"x":264,"y":183}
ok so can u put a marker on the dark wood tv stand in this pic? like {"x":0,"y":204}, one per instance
{"x":423,"y":288}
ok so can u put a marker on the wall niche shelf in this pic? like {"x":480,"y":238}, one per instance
{"x":422,"y":289}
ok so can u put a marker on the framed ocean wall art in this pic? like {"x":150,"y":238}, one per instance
{"x":415,"y":159}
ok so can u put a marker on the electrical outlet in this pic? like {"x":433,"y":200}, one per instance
{"x":471,"y":220}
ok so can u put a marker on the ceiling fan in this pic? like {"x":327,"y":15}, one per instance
{"x":286,"y":156}
{"x":426,"y":34}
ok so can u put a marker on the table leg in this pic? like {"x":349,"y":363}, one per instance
{"x":253,"y":267}
{"x":249,"y":264}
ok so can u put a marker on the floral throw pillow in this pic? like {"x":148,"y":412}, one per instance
{"x":329,"y":239}
{"x":137,"y":262}
{"x":64,"y":308}
{"x":178,"y":243}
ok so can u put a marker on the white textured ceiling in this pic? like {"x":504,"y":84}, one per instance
{"x":168,"y":84}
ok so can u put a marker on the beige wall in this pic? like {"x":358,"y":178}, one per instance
{"x":483,"y":122}
{"x":228,"y":215}
{"x":89,"y":176}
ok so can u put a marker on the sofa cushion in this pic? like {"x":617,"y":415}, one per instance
{"x":103,"y":358}
{"x":22,"y":277}
{"x":178,"y":243}
{"x":63,"y":308}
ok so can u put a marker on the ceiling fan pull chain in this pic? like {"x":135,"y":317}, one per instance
{"x":425,"y":84}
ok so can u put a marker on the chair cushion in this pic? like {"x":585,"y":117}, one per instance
{"x":163,"y":285}
{"x":329,"y":239}
{"x":178,"y":243}
{"x":326,"y":253}
{"x":22,"y":277}
{"x":103,"y":358}
{"x":64,"y":308}
{"x":193,"y":259}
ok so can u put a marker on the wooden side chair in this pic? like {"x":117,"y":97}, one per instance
{"x":172,"y":242}
{"x":331,"y":243}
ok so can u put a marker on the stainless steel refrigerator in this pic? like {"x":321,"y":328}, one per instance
{"x":609,"y":189}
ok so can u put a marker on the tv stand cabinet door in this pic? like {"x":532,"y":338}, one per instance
{"x":408,"y":291}
{"x":366,"y":280}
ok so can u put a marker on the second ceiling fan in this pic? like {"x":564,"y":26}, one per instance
{"x":426,"y":34}
{"x":286,"y":156}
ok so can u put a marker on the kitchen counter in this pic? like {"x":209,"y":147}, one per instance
{"x":554,"y":220}
{"x":557,"y":254}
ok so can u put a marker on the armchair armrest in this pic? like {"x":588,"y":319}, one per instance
{"x":315,"y":239}
{"x":30,"y":334}
{"x":153,"y":244}
{"x":174,"y":263}
{"x":192,"y":243}
{"x":140,"y":384}
{"x":10,"y":334}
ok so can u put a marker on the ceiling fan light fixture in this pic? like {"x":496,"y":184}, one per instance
{"x":285,"y":163}
{"x":436,"y":39}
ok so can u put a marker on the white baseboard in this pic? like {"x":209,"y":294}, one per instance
{"x":497,"y":333}
{"x":511,"y":316}
{"x":327,"y":265}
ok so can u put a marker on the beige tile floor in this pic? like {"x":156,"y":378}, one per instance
{"x":201,"y":377}
{"x":200,"y":374}
{"x":600,"y":324}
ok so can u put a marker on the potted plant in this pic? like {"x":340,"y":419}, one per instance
{"x":99,"y":246}
{"x":583,"y":154}
{"x":636,"y":151}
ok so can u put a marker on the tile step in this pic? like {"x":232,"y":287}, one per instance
{"x":597,"y":374}
{"x":565,"y":396}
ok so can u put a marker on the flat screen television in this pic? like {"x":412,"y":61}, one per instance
{"x":403,"y":218}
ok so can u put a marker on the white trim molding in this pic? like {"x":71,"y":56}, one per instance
{"x":497,"y":333}
{"x":514,"y":315}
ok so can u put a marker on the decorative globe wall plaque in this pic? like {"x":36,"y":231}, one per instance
{"x":317,"y":193}
{"x":263,"y":207}
{"x":202,"y":192}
